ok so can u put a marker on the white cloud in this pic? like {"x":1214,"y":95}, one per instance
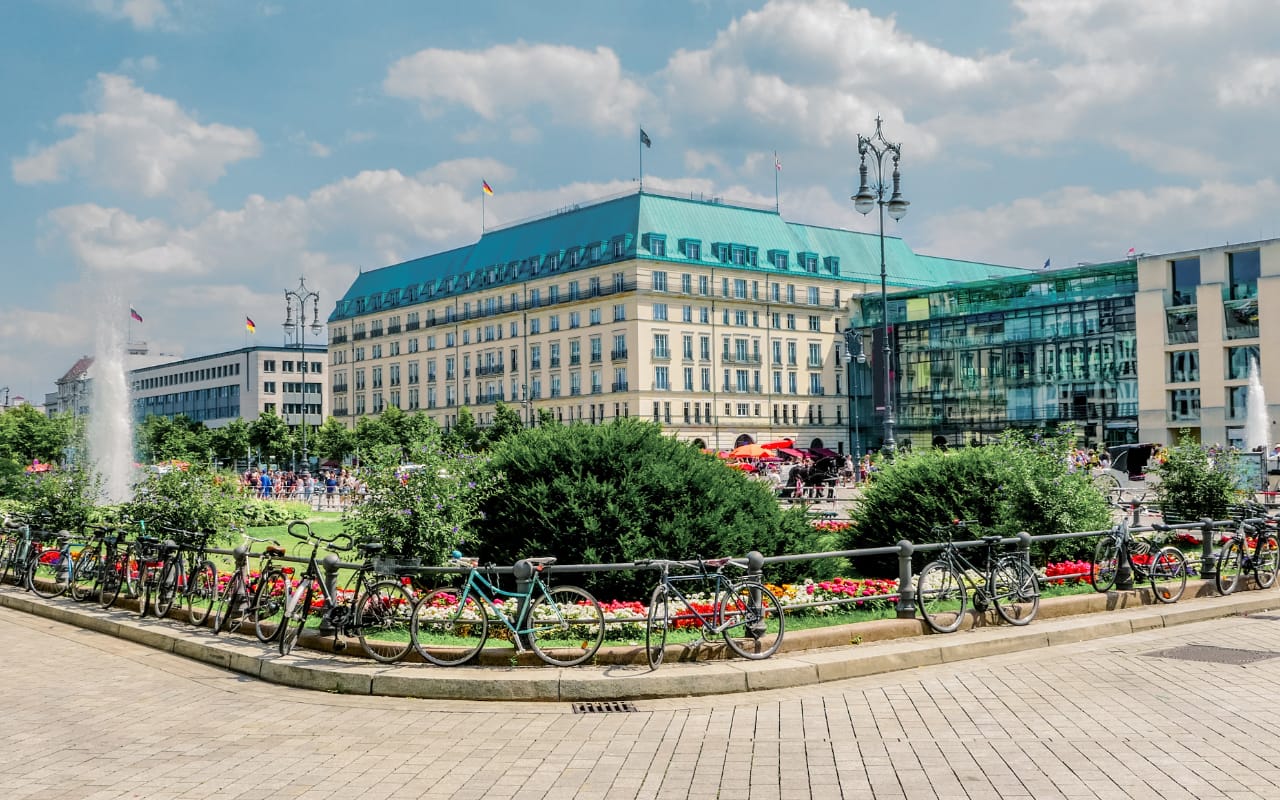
{"x":1254,"y":83}
{"x":138,"y":142}
{"x":571,"y":84}
{"x":144,"y":15}
{"x":313,"y":147}
{"x":139,"y":65}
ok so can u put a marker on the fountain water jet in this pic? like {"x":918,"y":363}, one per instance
{"x":1257,"y":422}
{"x":110,"y":429}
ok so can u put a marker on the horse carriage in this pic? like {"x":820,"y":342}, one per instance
{"x":821,"y":476}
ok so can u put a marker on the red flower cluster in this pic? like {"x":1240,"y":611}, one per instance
{"x":1067,"y":572}
{"x":832,"y":525}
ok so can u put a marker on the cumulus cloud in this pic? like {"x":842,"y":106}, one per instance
{"x":137,"y":142}
{"x":569,"y":83}
{"x":144,"y":15}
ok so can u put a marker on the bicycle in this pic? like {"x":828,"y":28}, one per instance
{"x":187,"y":572}
{"x":244,"y":595}
{"x":91,"y":570}
{"x":17,"y":537}
{"x":564,"y":626}
{"x":376,"y":611}
{"x":1006,"y":581}
{"x":49,"y":569}
{"x":1235,"y":558}
{"x":1119,"y":549}
{"x":744,"y":612}
{"x":128,"y":570}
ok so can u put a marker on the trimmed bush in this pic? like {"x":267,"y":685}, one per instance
{"x":624,"y":491}
{"x":1018,"y":483}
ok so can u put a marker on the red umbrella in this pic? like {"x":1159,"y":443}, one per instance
{"x":779,"y":444}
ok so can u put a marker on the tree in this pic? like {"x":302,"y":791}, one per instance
{"x":272,"y":437}
{"x":333,"y":441}
{"x":231,"y":441}
{"x":624,"y":491}
{"x":506,"y":423}
{"x":465,"y":436}
{"x":161,"y":439}
{"x":26,"y":435}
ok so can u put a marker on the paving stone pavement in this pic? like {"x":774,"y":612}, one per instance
{"x":90,"y":717}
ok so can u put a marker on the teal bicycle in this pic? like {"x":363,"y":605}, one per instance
{"x":562,"y":625}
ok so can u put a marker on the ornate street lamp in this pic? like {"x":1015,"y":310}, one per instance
{"x":300,"y":296}
{"x":870,"y":196}
{"x":852,"y":340}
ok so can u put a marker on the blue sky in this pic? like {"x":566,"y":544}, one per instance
{"x":192,"y":158}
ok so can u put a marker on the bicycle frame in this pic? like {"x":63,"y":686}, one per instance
{"x":480,"y":586}
{"x":719,"y":581}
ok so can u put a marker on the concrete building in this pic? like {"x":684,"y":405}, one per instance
{"x":722,"y":322}
{"x":218,"y":388}
{"x":1201,"y":326}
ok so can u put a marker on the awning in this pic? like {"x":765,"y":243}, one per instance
{"x":822,"y":452}
{"x":790,"y":451}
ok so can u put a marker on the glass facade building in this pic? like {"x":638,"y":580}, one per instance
{"x":1029,"y":351}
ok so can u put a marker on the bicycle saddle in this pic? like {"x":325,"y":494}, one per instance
{"x":716,"y":562}
{"x":542,"y":560}
{"x":370,"y":547}
{"x":273,"y":550}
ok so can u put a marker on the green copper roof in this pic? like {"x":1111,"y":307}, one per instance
{"x":635,"y":222}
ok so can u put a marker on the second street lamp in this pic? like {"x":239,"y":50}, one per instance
{"x":869,"y":196}
{"x":300,"y":296}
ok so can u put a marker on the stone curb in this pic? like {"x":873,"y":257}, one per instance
{"x":813,"y":656}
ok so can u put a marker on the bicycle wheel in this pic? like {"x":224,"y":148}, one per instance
{"x":446,"y":631}
{"x":383,"y":617}
{"x":49,"y":573}
{"x":656,"y":623}
{"x":1015,"y":590}
{"x":202,"y":590}
{"x":1230,"y":567}
{"x":268,"y":605}
{"x":86,"y":574}
{"x":750,"y":620}
{"x":296,"y":617}
{"x":231,"y":605}
{"x":166,"y":586}
{"x":114,"y":573}
{"x":1168,"y":570}
{"x":1267,"y":562}
{"x":146,"y":582}
{"x":566,"y":626}
{"x":8,"y":550}
{"x":941,"y":596}
{"x":1106,"y":564}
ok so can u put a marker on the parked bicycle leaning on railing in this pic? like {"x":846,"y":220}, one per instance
{"x":1252,"y":549}
{"x":1004,"y":581}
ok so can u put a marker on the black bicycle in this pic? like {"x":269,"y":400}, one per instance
{"x":378,"y":612}
{"x":186,"y":573}
{"x":743,"y":612}
{"x":1252,"y":548}
{"x":1164,"y":566}
{"x":1005,"y":581}
{"x":258,"y":597}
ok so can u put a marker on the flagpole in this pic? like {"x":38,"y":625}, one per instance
{"x":777,"y":206}
{"x":482,"y":194}
{"x":641,"y":146}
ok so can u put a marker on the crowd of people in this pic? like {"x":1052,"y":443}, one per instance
{"x":331,"y":488}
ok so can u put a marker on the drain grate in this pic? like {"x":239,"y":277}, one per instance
{"x":1214,"y":655}
{"x":606,"y":707}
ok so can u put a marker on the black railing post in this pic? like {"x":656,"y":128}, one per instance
{"x":523,"y":572}
{"x":906,"y":607}
{"x":1124,"y":573}
{"x":1208,"y":558}
{"x":329,"y":565}
{"x":1024,"y":548}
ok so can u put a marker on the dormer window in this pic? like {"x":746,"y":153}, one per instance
{"x":832,"y":263}
{"x":692,"y":249}
{"x":778,"y":258}
{"x":807,"y":261}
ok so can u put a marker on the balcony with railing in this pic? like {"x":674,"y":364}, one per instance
{"x":555,"y":362}
{"x":338,"y":338}
{"x":357,"y":336}
{"x":393,"y":329}
{"x":739,"y":358}
{"x":596,"y":358}
{"x":575,"y":360}
{"x":535,"y":363}
{"x":412,"y":326}
{"x":620,"y":386}
{"x":618,"y":355}
{"x":486,"y":370}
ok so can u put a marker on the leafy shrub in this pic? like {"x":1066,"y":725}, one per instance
{"x":62,"y":499}
{"x":1018,"y":483}
{"x":193,"y":500}
{"x":1195,"y":482}
{"x":624,"y":491}
{"x":424,"y":512}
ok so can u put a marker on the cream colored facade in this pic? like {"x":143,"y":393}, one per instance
{"x":1200,"y":322}
{"x":717,"y":355}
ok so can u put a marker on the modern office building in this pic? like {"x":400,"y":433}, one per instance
{"x":1206,"y":326}
{"x":1031,"y":350}
{"x":720,"y":321}
{"x":240,"y":384}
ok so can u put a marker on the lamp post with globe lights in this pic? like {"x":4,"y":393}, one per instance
{"x":299,"y":297}
{"x":869,"y":196}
